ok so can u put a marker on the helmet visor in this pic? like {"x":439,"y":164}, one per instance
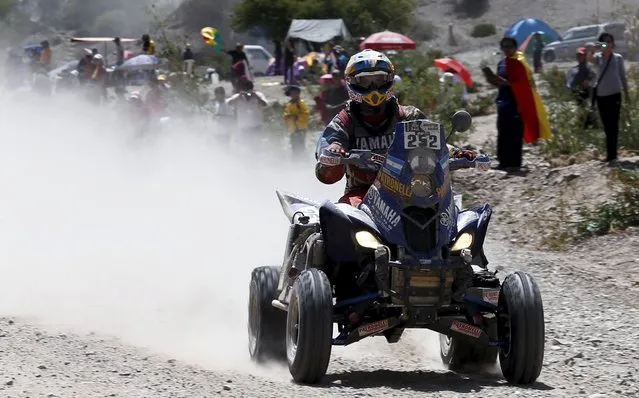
{"x":372,"y":80}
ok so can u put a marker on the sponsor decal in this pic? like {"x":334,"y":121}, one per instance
{"x":444,"y":162}
{"x":378,"y":158}
{"x":491,"y":296}
{"x":393,"y":185}
{"x":374,"y":142}
{"x":441,"y":191}
{"x":394,"y":164}
{"x":385,"y":217}
{"x":373,"y":328}
{"x":464,"y":328}
{"x":329,"y":160}
{"x":446,"y":216}
{"x":482,"y":165}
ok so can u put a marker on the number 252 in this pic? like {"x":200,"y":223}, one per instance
{"x":422,"y":141}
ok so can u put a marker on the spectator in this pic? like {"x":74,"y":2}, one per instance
{"x":510,"y":127}
{"x":408,"y":73}
{"x":249,"y":108}
{"x":189,"y":60}
{"x":582,"y":77}
{"x":85,"y":66}
{"x":148,"y":45}
{"x":99,"y":77}
{"x":290,"y":56}
{"x":118,"y":76}
{"x":336,"y":95}
{"x":296,"y":115}
{"x":341,"y":58}
{"x":538,"y":48}
{"x":520,"y":112}
{"x":46,"y":55}
{"x":451,"y":82}
{"x":239,"y":66}
{"x":223,"y":115}
{"x":119,"y":52}
{"x":611,"y":80}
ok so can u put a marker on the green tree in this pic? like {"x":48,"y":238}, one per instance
{"x":274,"y":16}
{"x":362,"y":16}
{"x":5,"y":8}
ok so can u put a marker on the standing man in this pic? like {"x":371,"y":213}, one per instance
{"x":249,"y":109}
{"x":537,"y":51}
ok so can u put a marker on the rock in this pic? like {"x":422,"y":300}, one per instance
{"x":226,"y":387}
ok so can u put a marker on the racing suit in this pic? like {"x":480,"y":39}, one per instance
{"x":350,"y":129}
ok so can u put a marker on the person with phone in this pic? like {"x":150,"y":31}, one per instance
{"x":611,"y":80}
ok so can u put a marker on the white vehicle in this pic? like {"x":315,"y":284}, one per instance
{"x":580,"y":36}
{"x":259,"y":59}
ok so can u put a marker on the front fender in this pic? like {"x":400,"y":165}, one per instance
{"x":475,"y":220}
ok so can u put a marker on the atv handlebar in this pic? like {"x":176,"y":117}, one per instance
{"x":368,"y":160}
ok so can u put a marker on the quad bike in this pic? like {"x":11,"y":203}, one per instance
{"x":407,"y":257}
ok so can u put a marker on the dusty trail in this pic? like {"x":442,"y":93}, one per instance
{"x":154,"y":244}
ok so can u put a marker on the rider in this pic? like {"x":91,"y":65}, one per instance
{"x":367,"y":122}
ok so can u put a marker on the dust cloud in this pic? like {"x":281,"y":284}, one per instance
{"x":152,"y":242}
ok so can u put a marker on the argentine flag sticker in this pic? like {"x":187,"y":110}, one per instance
{"x":395,"y":165}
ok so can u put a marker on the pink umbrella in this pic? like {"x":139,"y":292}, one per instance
{"x":387,"y":40}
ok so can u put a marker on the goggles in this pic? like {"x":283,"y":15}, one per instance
{"x":372,"y":80}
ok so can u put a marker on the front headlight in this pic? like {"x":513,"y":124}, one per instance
{"x":367,"y":240}
{"x":464,"y":241}
{"x":422,"y":185}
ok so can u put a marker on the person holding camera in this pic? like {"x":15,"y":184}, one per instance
{"x":610,"y":81}
{"x":249,"y":107}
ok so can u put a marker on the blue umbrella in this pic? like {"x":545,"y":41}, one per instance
{"x":141,"y":62}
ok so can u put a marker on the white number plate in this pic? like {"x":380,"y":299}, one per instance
{"x":429,"y":139}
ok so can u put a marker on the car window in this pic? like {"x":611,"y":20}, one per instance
{"x":584,"y":33}
{"x":257,"y":54}
{"x":568,"y":34}
{"x":616,"y":30}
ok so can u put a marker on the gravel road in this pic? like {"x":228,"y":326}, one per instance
{"x":591,"y":351}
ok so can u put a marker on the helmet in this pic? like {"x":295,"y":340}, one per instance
{"x":369,"y":78}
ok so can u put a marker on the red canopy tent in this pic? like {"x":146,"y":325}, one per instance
{"x":387,"y":40}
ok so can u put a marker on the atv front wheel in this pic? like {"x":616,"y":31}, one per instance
{"x":309,"y":327}
{"x":457,"y":353}
{"x":266,"y":324}
{"x":521,"y":326}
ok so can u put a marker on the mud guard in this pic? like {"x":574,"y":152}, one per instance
{"x":477,"y":224}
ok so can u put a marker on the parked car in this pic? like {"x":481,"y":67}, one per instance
{"x":259,"y":59}
{"x":579,"y":36}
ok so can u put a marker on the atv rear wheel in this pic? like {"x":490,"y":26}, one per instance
{"x":309,"y":327}
{"x":457,"y":353}
{"x":266,"y":324}
{"x":521,"y":326}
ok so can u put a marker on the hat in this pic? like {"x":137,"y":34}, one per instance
{"x":87,"y":51}
{"x":289,"y":89}
{"x":581,"y":50}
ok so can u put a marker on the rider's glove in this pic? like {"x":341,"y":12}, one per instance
{"x":462,"y":153}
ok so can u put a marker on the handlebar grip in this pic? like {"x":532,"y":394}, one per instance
{"x":328,"y":160}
